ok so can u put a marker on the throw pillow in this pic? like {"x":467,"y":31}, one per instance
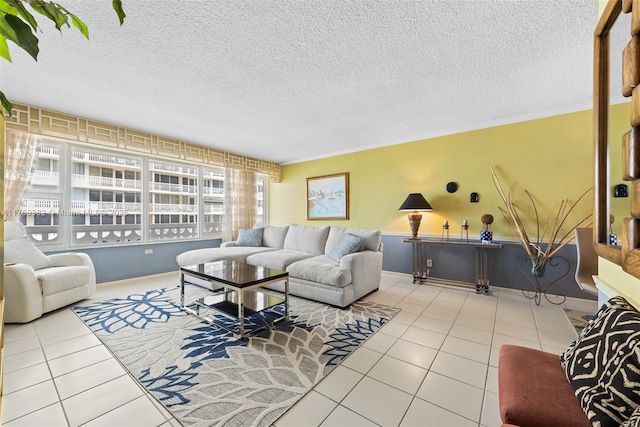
{"x":604,"y":311}
{"x":634,"y":421}
{"x":604,"y":365}
{"x":22,"y":251}
{"x":250,"y":237}
{"x":349,"y":244}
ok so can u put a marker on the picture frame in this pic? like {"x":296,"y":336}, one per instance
{"x":328,"y":197}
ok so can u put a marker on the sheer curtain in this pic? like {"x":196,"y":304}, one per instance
{"x":19,"y":156}
{"x":240,"y":201}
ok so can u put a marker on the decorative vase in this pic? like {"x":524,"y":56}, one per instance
{"x":538,"y":265}
{"x":486,"y":236}
{"x":613,"y":239}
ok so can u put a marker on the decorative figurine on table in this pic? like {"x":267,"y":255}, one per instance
{"x":486,"y":235}
{"x":613,"y":239}
{"x":445,"y":231}
{"x":464,"y":230}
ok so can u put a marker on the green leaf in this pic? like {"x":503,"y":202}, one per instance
{"x":117,"y":6}
{"x":23,"y":35}
{"x":84,"y":30}
{"x":42,"y":11}
{"x":4,"y":49}
{"x":7,"y":107}
{"x":59,"y":18}
{"x":28,"y":17}
{"x":7,"y":7}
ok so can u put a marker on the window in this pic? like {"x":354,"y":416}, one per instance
{"x":82,"y":196}
{"x":213,"y":195}
{"x":262,"y":197}
{"x":173,"y":200}
{"x":40,"y":208}
{"x":98,"y":209}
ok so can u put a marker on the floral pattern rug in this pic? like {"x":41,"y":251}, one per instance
{"x":205,"y":375}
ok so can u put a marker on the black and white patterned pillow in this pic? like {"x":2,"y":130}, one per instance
{"x":614,"y":303}
{"x":603,"y":366}
{"x":634,"y":421}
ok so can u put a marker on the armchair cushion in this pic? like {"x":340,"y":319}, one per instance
{"x":59,"y":279}
{"x":22,"y":251}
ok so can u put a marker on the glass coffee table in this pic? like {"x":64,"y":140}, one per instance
{"x":235,"y":292}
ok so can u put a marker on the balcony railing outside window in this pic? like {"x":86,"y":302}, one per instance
{"x":107,"y":190}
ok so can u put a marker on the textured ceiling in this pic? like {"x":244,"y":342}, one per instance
{"x":287,"y":80}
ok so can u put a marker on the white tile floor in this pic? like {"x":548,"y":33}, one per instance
{"x":434,"y":364}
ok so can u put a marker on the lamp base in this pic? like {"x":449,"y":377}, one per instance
{"x":414,"y":223}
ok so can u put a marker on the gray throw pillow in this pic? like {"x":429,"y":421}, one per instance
{"x":349,"y":244}
{"x":250,"y":237}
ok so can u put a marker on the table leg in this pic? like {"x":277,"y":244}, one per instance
{"x":482,"y":270}
{"x":241,"y":311}
{"x":181,"y":289}
{"x":286,"y":298}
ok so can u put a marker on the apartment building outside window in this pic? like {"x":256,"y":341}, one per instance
{"x":173,"y":191}
{"x":106,"y":193}
{"x":85,"y":197}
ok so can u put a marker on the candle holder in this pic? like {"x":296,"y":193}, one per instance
{"x":445,"y":232}
{"x":464,"y":231}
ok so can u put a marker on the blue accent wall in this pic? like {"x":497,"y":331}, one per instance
{"x":449,"y":262}
{"x":124,"y":262}
{"x":458,"y":263}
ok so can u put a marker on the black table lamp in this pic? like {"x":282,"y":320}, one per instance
{"x":415,"y":202}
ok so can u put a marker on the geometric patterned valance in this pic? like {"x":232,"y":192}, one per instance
{"x":40,"y":121}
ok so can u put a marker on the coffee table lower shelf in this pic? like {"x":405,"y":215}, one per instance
{"x":225,"y":302}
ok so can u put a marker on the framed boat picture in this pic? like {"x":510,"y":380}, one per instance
{"x":328,"y":197}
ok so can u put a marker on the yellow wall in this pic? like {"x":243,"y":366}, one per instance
{"x":551,"y":157}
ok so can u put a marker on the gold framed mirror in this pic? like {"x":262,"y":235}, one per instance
{"x":628,"y":254}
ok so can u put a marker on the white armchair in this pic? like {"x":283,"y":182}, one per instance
{"x":35,"y":283}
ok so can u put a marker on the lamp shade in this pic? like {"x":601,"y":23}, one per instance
{"x":415,"y":202}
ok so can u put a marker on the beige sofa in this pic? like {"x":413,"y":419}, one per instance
{"x":303,"y":251}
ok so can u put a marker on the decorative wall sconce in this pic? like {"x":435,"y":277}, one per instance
{"x":621,"y":190}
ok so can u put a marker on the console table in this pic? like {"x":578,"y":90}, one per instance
{"x":482,"y":252}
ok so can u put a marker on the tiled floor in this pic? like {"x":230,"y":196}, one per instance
{"x":434,"y":364}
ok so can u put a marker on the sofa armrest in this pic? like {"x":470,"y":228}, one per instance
{"x":23,"y":294}
{"x":366,"y":271}
{"x":76,"y":258}
{"x":228,"y":244}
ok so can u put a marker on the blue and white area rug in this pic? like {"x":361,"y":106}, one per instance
{"x":206,"y":376}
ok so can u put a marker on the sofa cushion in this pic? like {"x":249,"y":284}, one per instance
{"x":306,"y":239}
{"x":349,"y":244}
{"x":273,"y":236}
{"x":22,"y":251}
{"x":371,"y":238}
{"x":58,"y":279}
{"x":250,"y":237}
{"x":232,"y":253}
{"x":279,"y":259}
{"x":529,"y":399}
{"x":604,"y":365}
{"x":321,"y":269}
